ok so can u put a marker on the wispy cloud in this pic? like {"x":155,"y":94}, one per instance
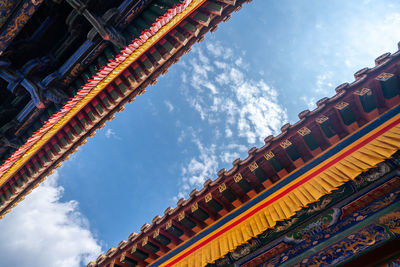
{"x":323,"y":83}
{"x":310,"y":102}
{"x":198,"y":169}
{"x":236,"y":111}
{"x":48,"y":231}
{"x":111,"y":134}
{"x":323,"y":86}
{"x":224,"y":93}
{"x":228,"y":157}
{"x":169,"y":105}
{"x":202,"y":167}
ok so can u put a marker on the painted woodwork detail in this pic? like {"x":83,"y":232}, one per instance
{"x":372,"y":174}
{"x":107,"y":32}
{"x":285,"y":144}
{"x":321,"y":119}
{"x":392,"y":263}
{"x":304,"y":131}
{"x":348,"y":247}
{"x":363,"y":91}
{"x":330,"y":222}
{"x":194,"y":207}
{"x":253,"y":166}
{"x":392,"y":220}
{"x":156,"y":233}
{"x":269,"y":155}
{"x":244,"y":250}
{"x":280,"y":248}
{"x":341,"y":105}
{"x":316,"y":232}
{"x":6,"y":9}
{"x":145,"y":240}
{"x":222,"y":187}
{"x":18,"y":21}
{"x":181,"y":216}
{"x":237,"y":177}
{"x":384,"y":76}
{"x":371,"y":196}
{"x":208,"y":197}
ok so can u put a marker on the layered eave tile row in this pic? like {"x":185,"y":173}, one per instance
{"x":113,"y":81}
{"x":374,"y":92}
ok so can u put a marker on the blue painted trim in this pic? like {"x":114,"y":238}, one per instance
{"x":78,"y":53}
{"x":260,"y":251}
{"x":124,"y":5}
{"x":25,"y":111}
{"x":385,"y":117}
{"x":5,"y":75}
{"x":135,"y":7}
{"x":95,"y":49}
{"x":30,"y":87}
{"x":49,"y":78}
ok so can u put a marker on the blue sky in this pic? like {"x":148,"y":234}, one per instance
{"x":269,"y":62}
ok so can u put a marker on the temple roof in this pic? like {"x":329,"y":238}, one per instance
{"x":340,"y":127}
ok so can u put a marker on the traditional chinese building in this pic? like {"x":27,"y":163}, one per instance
{"x":66,"y":67}
{"x":326,"y":191}
{"x":323,"y":192}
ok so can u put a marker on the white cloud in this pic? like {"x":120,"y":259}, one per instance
{"x":239,"y":62}
{"x":323,"y":87}
{"x":310,"y":102}
{"x":235,"y":111}
{"x":169,"y":105}
{"x":323,"y":84}
{"x":181,"y":136}
{"x":224,"y":93}
{"x":216,"y":51}
{"x":198,"y":169}
{"x":228,"y":132}
{"x":111,"y":134}
{"x":228,"y":157}
{"x":237,"y":147}
{"x":201,"y":167}
{"x":44,"y":231}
